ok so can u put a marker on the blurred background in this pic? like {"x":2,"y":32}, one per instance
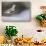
{"x":26,"y":28}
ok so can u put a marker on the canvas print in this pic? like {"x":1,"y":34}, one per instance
{"x":16,"y":11}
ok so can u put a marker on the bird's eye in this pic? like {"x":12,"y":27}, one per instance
{"x":39,"y":30}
